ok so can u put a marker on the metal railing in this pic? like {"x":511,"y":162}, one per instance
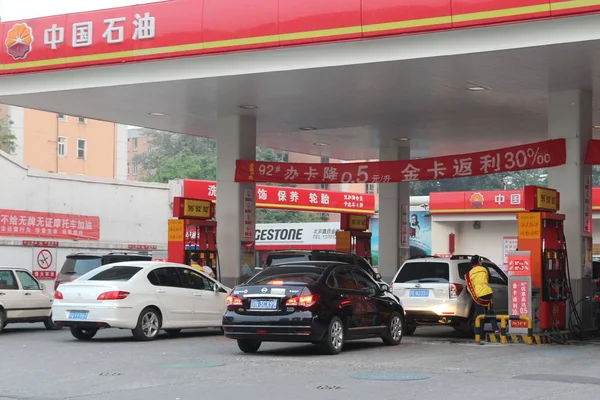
{"x":503,"y":323}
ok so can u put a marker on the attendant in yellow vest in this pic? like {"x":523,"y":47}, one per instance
{"x":202,"y":268}
{"x":478,"y":286}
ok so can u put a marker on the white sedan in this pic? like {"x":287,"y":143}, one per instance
{"x":143,"y":296}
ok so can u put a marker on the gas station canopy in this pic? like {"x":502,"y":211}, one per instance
{"x":336,"y":79}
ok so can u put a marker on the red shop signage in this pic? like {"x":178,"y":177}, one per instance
{"x":545,"y":154}
{"x":519,"y":301}
{"x":49,"y":225}
{"x":291,"y":198}
{"x":485,"y":201}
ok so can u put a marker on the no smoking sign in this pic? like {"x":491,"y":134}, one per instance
{"x":44,"y":263}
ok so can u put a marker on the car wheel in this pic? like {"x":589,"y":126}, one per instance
{"x":50,"y":325}
{"x":83,"y":334}
{"x":409,"y":330}
{"x":395,"y":330}
{"x":249,"y":346}
{"x":148,"y":325}
{"x":172,"y":332}
{"x":334,"y":337}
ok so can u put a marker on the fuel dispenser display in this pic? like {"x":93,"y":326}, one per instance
{"x":541,"y":235}
{"x":353,"y":236}
{"x":193,"y":234}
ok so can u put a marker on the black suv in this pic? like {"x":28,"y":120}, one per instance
{"x":285,"y":256}
{"x":77,"y":265}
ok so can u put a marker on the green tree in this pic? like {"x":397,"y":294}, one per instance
{"x":177,"y":156}
{"x":8,"y":141}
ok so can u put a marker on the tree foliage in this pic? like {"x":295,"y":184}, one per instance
{"x":176,"y":156}
{"x":8,"y":141}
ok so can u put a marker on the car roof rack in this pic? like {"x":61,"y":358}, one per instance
{"x":467,"y":257}
{"x":423,"y":256}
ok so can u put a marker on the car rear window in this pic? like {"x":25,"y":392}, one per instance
{"x":463,"y":269}
{"x":119,"y":273}
{"x":80,"y":266}
{"x":287,"y":276}
{"x":419,"y":272}
{"x":280,"y":259}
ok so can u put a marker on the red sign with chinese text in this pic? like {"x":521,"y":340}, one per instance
{"x":486,"y":201}
{"x":519,"y":264}
{"x":142,"y":247}
{"x":592,"y":153}
{"x":545,"y":154}
{"x":49,"y":225}
{"x":291,"y":198}
{"x":176,"y":28}
{"x":519,"y":301}
{"x":37,"y":243}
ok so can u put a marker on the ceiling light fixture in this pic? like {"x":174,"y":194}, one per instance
{"x":249,"y":107}
{"x":476,"y":88}
{"x":320,"y":144}
{"x":308,"y":128}
{"x":157,"y":114}
{"x":402,"y":139}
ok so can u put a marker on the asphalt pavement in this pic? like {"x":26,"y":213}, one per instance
{"x":436,"y":363}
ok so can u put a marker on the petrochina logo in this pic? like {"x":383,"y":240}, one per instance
{"x":19,"y":41}
{"x":476,"y":200}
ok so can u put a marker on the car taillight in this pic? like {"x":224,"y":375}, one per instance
{"x":114,"y":295}
{"x":455,"y":290}
{"x":302,"y":301}
{"x":58,"y":295}
{"x":233,"y":301}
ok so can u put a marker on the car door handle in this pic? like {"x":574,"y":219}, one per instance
{"x":161,"y":291}
{"x":27,"y":294}
{"x":197,"y":294}
{"x":2,"y":293}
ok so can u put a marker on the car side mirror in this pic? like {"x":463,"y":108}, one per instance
{"x":378,"y":276}
{"x":43,"y":285}
{"x":216,"y":288}
{"x":384,"y":287}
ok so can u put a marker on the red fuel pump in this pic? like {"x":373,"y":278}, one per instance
{"x":353,"y":236}
{"x":193,"y":234}
{"x":541,"y":232}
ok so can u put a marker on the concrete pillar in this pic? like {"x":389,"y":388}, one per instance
{"x":236,"y":207}
{"x":394,"y":209}
{"x":570,"y":117}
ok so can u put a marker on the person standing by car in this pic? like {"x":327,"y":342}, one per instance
{"x":478,"y":286}
{"x":197,"y":264}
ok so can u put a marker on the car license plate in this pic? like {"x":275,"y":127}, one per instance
{"x":263,"y":304}
{"x":419,"y":293}
{"x":78,"y":314}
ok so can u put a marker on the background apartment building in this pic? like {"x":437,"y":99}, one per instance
{"x":66,"y":144}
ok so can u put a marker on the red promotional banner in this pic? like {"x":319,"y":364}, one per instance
{"x":592,"y":154}
{"x":291,"y":198}
{"x":545,"y":154}
{"x":49,"y":225}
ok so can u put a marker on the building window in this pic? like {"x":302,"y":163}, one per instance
{"x":134,"y":168}
{"x":61,"y":146}
{"x":82,"y":120}
{"x":324,"y":186}
{"x":135,"y":144}
{"x":370,"y":188}
{"x":128,"y":169}
{"x":62,"y":117}
{"x":81,"y":149}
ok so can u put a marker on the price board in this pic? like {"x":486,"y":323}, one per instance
{"x":193,"y":209}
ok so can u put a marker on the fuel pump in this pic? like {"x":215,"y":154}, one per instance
{"x":193,"y":234}
{"x":541,"y":232}
{"x":353,"y":236}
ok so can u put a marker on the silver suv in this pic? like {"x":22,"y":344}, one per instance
{"x":433,"y":291}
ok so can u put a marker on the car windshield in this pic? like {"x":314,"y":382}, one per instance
{"x":290,"y":275}
{"x":80,"y":265}
{"x":119,"y":273}
{"x":423,"y":272}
